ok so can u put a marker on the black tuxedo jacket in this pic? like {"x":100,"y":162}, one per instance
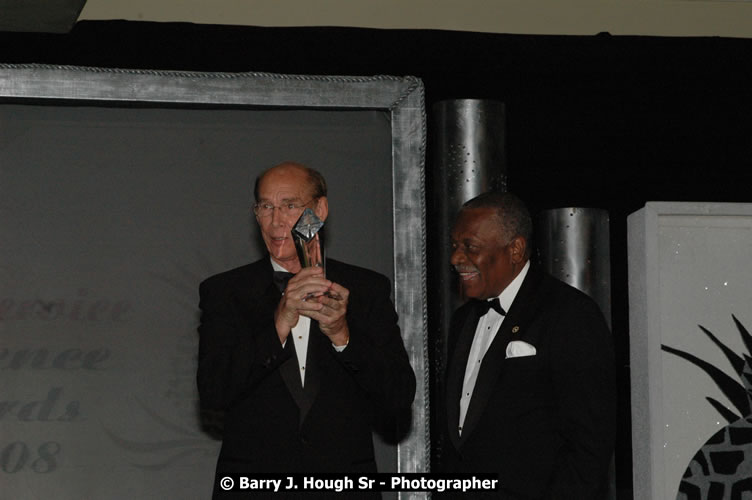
{"x":271,"y":423}
{"x":544,"y":423}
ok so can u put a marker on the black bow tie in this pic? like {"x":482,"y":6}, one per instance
{"x":281,"y":278}
{"x":482,"y":306}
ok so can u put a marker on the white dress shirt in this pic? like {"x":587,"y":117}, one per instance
{"x":485,"y":332}
{"x":299,"y":334}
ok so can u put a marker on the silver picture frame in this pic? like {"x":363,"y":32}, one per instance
{"x":401,"y":97}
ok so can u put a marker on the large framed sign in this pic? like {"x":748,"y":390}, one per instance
{"x":120,"y":190}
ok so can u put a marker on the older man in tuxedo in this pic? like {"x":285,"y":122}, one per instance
{"x":530,"y":390}
{"x":305,"y":368}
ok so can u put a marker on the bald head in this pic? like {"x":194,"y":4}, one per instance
{"x":314,"y":179}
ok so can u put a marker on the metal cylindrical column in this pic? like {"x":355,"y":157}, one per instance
{"x":467,"y":156}
{"x":573,"y":245}
{"x":469,"y":149}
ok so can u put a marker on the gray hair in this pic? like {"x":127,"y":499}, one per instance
{"x":512,"y":214}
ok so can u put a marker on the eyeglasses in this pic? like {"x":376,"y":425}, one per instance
{"x":263,"y":210}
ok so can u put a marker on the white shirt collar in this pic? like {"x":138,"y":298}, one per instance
{"x":277,"y":267}
{"x":506,"y":297}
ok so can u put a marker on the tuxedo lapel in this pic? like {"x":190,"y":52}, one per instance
{"x":255,"y":291}
{"x":313,"y":368}
{"x":456,"y":375}
{"x":290,"y":373}
{"x":304,"y":395}
{"x":490,"y":371}
{"x":257,"y":294}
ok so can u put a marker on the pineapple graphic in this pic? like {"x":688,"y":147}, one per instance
{"x":722,"y":468}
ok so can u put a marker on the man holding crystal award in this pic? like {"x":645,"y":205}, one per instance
{"x":303,"y":354}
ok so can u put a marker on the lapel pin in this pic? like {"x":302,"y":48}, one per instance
{"x":515,"y":329}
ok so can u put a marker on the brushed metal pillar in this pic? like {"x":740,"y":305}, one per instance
{"x":467,"y":156}
{"x":573,"y":245}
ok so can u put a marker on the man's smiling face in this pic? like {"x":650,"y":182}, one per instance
{"x":484,"y":258}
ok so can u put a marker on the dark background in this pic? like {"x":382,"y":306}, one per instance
{"x":592,"y":121}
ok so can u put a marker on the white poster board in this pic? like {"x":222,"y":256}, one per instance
{"x":690,"y":265}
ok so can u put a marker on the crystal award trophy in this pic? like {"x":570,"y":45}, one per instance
{"x":308,"y":238}
{"x":309,"y":242}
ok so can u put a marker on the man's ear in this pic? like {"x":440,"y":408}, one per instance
{"x":321,"y":208}
{"x":518,"y":248}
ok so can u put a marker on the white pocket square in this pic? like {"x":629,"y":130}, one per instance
{"x":518,"y":348}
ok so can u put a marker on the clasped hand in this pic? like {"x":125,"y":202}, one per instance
{"x":310,"y":294}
